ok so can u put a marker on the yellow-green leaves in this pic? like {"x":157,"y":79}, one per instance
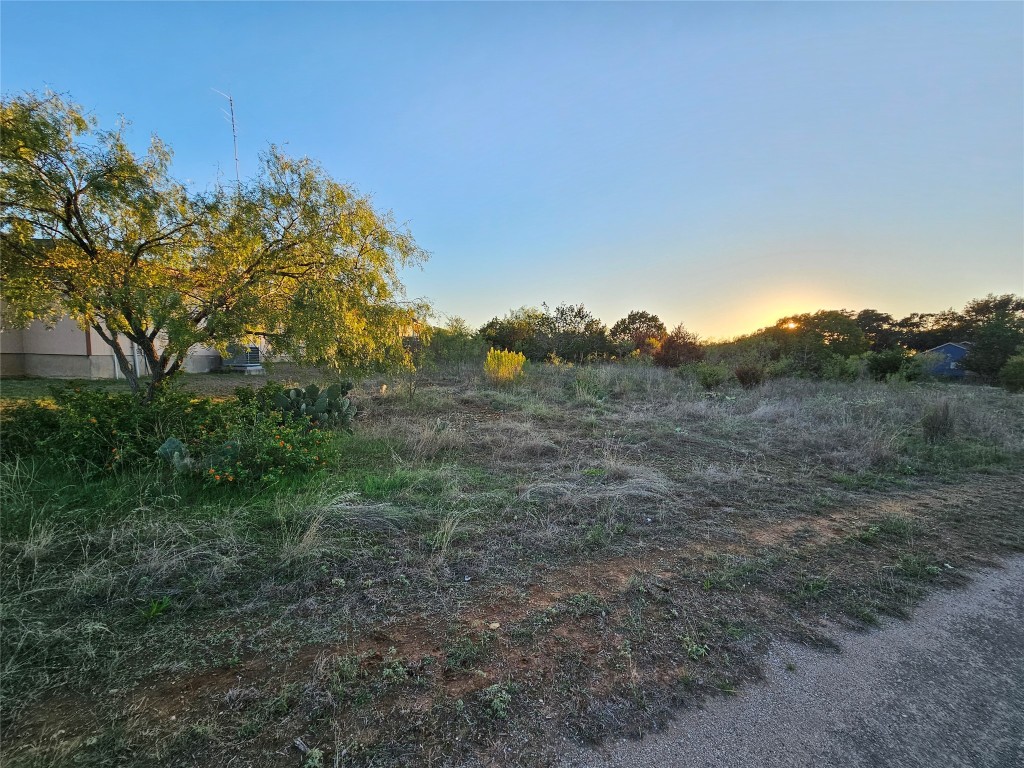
{"x":93,"y":230}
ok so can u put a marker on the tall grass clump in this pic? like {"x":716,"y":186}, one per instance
{"x":937,"y":422}
{"x":504,"y":367}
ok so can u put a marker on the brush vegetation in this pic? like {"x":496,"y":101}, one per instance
{"x":474,"y":570}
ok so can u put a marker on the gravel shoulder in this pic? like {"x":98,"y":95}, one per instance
{"x":944,"y":689}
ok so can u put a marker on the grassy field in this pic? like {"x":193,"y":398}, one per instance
{"x":486,"y":570}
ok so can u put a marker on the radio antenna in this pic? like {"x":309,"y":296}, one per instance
{"x":234,"y":132}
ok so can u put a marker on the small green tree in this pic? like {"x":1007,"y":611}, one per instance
{"x":679,"y":348}
{"x":885,"y":363}
{"x":635,"y":331}
{"x":810,"y":340}
{"x":91,"y":230}
{"x":522,"y":330}
{"x":573,"y":333}
{"x":1011,"y":375}
{"x":453,"y":345}
{"x":994,"y":343}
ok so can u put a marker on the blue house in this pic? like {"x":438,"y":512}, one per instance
{"x":947,"y":359}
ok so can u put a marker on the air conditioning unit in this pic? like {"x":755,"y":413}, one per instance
{"x":244,"y":359}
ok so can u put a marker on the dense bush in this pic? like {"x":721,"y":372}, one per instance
{"x":679,"y":348}
{"x":886,"y":363}
{"x":994,"y":343}
{"x":749,"y":375}
{"x":569,"y":332}
{"x":98,"y":430}
{"x":255,"y":446}
{"x":1011,"y":375}
{"x":24,"y":427}
{"x":249,"y":437}
{"x":638,"y":332}
{"x":709,"y":376}
{"x":452,"y":346}
{"x":839,"y":368}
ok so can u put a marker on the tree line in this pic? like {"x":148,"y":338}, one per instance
{"x":831,"y":343}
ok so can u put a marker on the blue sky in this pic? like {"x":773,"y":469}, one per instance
{"x":718,"y":164}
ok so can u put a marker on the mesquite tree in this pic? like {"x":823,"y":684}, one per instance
{"x":94,"y":231}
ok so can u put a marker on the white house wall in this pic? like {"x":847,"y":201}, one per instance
{"x":67,"y":352}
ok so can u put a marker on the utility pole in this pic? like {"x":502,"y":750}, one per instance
{"x":234,"y":133}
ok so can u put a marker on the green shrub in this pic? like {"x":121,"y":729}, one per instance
{"x":256,"y":446}
{"x":781,"y":368}
{"x":97,"y":430}
{"x":919,"y":367}
{"x":839,"y":368}
{"x":679,"y":348}
{"x":710,"y":375}
{"x":749,"y":375}
{"x":886,"y":363}
{"x":1011,"y":375}
{"x":238,"y":440}
{"x":25,"y":426}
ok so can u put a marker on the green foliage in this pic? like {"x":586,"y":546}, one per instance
{"x":454,"y":345}
{"x":812,"y":340}
{"x":925,"y":331}
{"x":97,"y":430}
{"x":569,"y":332}
{"x":679,"y":348}
{"x":520,"y":331}
{"x":91,"y":230}
{"x":1011,"y":375}
{"x":575,"y":334}
{"x":879,"y":328}
{"x":259,"y":447}
{"x":919,"y":367}
{"x":749,"y":375}
{"x":839,"y":368}
{"x":24,"y":427}
{"x":886,"y":363}
{"x":710,"y":376}
{"x":994,"y":343}
{"x":155,"y":608}
{"x":640,"y":332}
{"x":504,"y":367}
{"x":694,"y":649}
{"x":499,"y":700}
{"x":784,"y":366}
{"x":327,"y":409}
{"x":222,"y":442}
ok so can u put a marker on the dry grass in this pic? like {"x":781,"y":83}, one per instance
{"x":487,"y":570}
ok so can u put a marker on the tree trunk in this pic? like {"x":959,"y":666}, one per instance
{"x":161,"y":367}
{"x":113,"y":340}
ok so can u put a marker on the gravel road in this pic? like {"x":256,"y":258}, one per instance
{"x":944,"y":690}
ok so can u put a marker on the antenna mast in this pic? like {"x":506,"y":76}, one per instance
{"x":234,"y":132}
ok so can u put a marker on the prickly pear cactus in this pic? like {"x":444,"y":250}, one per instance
{"x":328,"y":408}
{"x":176,"y":454}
